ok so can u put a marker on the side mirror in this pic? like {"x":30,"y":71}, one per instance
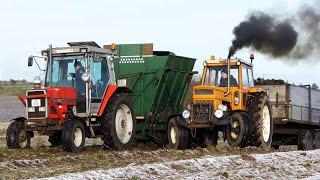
{"x":30,"y":61}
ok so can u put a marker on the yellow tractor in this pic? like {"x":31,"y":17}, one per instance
{"x":226,"y":100}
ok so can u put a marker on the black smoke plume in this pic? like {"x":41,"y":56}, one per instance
{"x":271,"y":35}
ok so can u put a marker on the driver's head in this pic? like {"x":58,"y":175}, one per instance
{"x":77,"y":65}
{"x":224,"y":73}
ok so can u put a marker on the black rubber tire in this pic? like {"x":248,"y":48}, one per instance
{"x":55,"y":139}
{"x":255,"y":113}
{"x":12,"y":136}
{"x":68,"y":136}
{"x":317,"y":140}
{"x":110,"y":137}
{"x":242,"y":131}
{"x":305,"y":141}
{"x":183,"y":140}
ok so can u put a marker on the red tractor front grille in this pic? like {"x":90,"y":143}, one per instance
{"x":36,"y":107}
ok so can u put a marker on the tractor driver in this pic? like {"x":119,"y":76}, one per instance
{"x":224,"y":79}
{"x":80,"y":84}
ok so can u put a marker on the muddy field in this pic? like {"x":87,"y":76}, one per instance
{"x":43,"y":161}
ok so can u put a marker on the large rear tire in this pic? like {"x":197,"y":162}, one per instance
{"x":16,"y":136}
{"x":261,"y":118}
{"x":179,"y":137}
{"x":73,"y":136}
{"x":119,"y":124}
{"x":237,"y":131}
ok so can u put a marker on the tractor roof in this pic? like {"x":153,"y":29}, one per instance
{"x":76,"y":48}
{"x":221,"y":62}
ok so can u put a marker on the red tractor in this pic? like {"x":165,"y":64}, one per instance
{"x":80,"y":99}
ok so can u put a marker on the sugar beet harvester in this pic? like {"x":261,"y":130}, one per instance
{"x":117,"y":93}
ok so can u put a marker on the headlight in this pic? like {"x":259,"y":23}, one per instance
{"x":222,"y":107}
{"x":42,"y":109}
{"x":186,"y":114}
{"x":236,"y":100}
{"x":218,"y":113}
{"x":31,"y":109}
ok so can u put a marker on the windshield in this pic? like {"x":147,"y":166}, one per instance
{"x":218,"y":76}
{"x":62,"y":71}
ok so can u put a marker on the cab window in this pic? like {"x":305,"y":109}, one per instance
{"x":251,"y":79}
{"x":99,"y":77}
{"x":245,"y":80}
{"x":217,"y":76}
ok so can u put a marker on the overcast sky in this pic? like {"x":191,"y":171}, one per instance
{"x":194,"y":28}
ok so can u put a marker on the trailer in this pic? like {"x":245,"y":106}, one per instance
{"x":296,"y":115}
{"x":159,"y":81}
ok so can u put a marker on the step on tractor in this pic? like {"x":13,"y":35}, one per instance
{"x":80,"y":99}
{"x":227,"y":101}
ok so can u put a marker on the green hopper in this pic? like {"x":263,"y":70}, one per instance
{"x":159,"y":81}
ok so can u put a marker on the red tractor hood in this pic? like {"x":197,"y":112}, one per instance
{"x":63,"y":95}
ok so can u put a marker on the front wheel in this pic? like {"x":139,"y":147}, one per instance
{"x":16,"y":136}
{"x":73,"y":136}
{"x":179,"y":137}
{"x":119,"y":124}
{"x":237,"y":131}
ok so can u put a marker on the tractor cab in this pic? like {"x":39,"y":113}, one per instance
{"x":83,"y":66}
{"x":225,"y":86}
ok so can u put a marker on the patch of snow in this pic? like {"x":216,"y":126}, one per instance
{"x":279,"y":165}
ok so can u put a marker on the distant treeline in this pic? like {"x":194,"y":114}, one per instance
{"x":15,"y":82}
{"x":14,"y":87}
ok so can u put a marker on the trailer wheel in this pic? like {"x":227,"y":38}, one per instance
{"x":119,"y":124}
{"x":317,"y":140}
{"x":73,"y":136}
{"x":261,"y":117}
{"x":305,"y":141}
{"x":55,"y":139}
{"x":237,"y":131}
{"x":16,"y":136}
{"x":179,"y":137}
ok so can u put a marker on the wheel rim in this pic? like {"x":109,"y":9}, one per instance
{"x":77,"y":137}
{"x":22,"y":139}
{"x":235,"y":129}
{"x":266,"y":122}
{"x":124,"y":123}
{"x":173,"y":135}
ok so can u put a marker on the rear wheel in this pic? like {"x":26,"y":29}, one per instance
{"x":317,"y":140}
{"x":261,"y":117}
{"x":305,"y":141}
{"x":119,"y":124}
{"x":178,"y":136}
{"x":237,"y":131}
{"x":73,"y":136}
{"x":16,"y":136}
